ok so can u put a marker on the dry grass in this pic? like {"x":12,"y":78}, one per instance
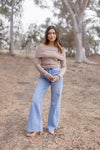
{"x":79,"y":126}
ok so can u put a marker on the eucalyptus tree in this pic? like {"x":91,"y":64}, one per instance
{"x":86,"y":21}
{"x":76,"y":10}
{"x":9,"y":9}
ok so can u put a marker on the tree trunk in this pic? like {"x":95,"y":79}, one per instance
{"x":78,"y":28}
{"x":0,"y":45}
{"x":85,"y":39}
{"x":80,"y":49}
{"x":76,"y":12}
{"x":11,"y":28}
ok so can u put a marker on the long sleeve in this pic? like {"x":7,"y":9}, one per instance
{"x":63,"y":66}
{"x":37,"y":64}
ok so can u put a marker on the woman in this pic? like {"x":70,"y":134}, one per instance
{"x":50,"y":61}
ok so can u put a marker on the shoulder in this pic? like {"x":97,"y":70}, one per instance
{"x":40,"y":47}
{"x":41,"y":44}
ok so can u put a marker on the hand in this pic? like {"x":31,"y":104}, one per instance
{"x":51,"y":78}
{"x":56,"y":78}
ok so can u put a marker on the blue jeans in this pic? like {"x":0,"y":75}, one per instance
{"x":35,"y":120}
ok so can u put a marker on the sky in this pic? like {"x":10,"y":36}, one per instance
{"x":34,"y":14}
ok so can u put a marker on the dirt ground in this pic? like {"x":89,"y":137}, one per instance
{"x":79,"y":126}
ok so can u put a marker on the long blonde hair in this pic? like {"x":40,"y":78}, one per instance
{"x":57,"y":42}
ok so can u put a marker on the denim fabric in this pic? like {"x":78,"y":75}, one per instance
{"x":35,"y":120}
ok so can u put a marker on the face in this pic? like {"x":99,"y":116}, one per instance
{"x":51,"y":35}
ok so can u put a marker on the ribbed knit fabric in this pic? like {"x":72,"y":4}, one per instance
{"x":49,"y":57}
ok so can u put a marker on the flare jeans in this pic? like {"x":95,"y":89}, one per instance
{"x":35,"y":119}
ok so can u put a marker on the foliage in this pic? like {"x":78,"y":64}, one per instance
{"x":31,"y":37}
{"x":3,"y":34}
{"x":92,"y":21}
{"x":5,"y":9}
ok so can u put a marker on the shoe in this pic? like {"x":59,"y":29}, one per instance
{"x":51,"y":132}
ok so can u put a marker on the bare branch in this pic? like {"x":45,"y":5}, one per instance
{"x":69,"y":9}
{"x":77,"y":7}
{"x":85,"y":2}
{"x":72,"y":5}
{"x":79,"y":4}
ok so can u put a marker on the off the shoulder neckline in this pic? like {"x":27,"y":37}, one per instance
{"x":47,"y":46}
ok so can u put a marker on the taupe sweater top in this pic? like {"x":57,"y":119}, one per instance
{"x":49,"y":57}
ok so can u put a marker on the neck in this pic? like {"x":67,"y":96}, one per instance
{"x":51,"y":44}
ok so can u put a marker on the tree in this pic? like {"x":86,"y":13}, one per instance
{"x":76,"y":11}
{"x":63,"y":16}
{"x":67,"y":36}
{"x":9,"y":8}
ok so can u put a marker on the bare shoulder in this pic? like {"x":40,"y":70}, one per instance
{"x":41,"y":44}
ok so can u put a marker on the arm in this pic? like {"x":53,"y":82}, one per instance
{"x":37,"y":64}
{"x":63,"y":69}
{"x":63,"y":66}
